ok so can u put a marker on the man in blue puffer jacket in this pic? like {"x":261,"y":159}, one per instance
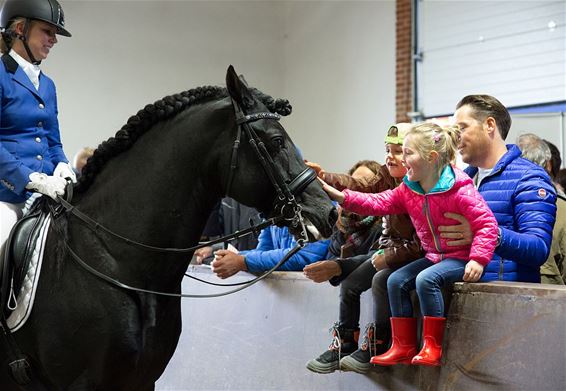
{"x":519,"y":192}
{"x":273,"y":244}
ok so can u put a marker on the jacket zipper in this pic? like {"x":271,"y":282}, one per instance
{"x":431,"y":227}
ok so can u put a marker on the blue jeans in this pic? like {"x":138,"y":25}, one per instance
{"x":427,"y":278}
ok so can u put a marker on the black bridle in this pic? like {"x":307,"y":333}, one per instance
{"x":285,"y":203}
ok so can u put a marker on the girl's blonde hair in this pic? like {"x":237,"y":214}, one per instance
{"x":428,"y":137}
{"x":7,"y":39}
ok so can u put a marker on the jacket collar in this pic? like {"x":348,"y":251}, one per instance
{"x":513,"y":152}
{"x":445,"y":182}
{"x":20,"y":76}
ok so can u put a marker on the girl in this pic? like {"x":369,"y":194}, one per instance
{"x":431,"y":188}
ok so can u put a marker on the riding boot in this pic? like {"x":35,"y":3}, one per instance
{"x":375,"y":342}
{"x":344,"y":342}
{"x":433,"y":333}
{"x":404,"y":343}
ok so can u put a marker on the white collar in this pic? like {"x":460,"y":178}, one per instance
{"x":30,"y":69}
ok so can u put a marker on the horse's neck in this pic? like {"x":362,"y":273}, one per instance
{"x":151,"y":195}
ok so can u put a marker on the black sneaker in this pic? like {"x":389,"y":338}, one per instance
{"x":358,"y":361}
{"x":344,"y":342}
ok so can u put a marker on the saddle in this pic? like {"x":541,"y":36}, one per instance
{"x":17,"y":253}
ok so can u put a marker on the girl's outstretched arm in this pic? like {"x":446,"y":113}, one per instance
{"x":334,"y":194}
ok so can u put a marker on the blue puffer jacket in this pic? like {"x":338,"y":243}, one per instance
{"x":523,"y":200}
{"x":275,"y":243}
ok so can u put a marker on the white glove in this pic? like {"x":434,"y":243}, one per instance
{"x":51,"y":186}
{"x":64,"y":170}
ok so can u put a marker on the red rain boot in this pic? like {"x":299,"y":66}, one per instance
{"x":433,"y":332}
{"x":404,"y":343}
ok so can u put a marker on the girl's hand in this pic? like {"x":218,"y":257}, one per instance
{"x":316,"y":167}
{"x":334,"y":194}
{"x":473,"y":271}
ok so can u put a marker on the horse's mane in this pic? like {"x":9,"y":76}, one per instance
{"x":163,"y":109}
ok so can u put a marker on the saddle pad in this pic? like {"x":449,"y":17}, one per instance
{"x":27,"y":294}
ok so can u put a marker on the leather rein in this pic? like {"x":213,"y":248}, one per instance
{"x":286,"y":204}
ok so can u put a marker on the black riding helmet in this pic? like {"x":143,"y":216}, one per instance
{"x":48,"y":11}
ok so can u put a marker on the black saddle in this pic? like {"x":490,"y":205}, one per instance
{"x":18,"y":251}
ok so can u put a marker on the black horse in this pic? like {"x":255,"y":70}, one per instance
{"x":155,"y":182}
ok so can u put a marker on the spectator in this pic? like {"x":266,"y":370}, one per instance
{"x":80,"y":159}
{"x":228,"y":217}
{"x":561,"y":180}
{"x":538,"y":151}
{"x":273,"y":243}
{"x":553,"y":167}
{"x":519,"y":192}
{"x":31,"y":153}
{"x":397,"y":246}
{"x":354,"y":234}
{"x":431,"y":188}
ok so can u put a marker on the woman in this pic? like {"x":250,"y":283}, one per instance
{"x":31,"y":154}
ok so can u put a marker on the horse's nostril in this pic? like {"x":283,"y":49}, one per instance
{"x":332,"y":217}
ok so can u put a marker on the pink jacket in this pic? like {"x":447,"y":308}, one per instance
{"x":454,"y":193}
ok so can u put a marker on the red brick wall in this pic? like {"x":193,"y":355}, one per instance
{"x":403,"y":73}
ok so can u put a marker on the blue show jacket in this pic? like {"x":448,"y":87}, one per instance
{"x":274,"y":243}
{"x":29,"y":130}
{"x":521,"y":196}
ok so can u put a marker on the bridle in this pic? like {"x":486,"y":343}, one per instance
{"x":285,"y":203}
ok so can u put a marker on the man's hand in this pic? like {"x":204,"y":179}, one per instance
{"x":473,"y":271}
{"x":316,"y":167}
{"x":227,"y":263}
{"x":322,"y":270}
{"x":202,"y":253}
{"x":461,"y":234}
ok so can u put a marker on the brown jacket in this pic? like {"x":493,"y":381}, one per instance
{"x":399,"y":239}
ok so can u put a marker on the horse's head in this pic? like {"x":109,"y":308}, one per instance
{"x":267,"y":170}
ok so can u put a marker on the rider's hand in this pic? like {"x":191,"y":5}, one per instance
{"x":316,"y":167}
{"x":322,"y":270}
{"x":64,"y":170}
{"x":51,"y":186}
{"x":202,"y":253}
{"x":473,"y":271}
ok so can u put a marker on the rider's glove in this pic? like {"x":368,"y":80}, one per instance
{"x":64,"y":170}
{"x":51,"y":186}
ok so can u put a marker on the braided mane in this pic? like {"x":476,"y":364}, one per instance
{"x":163,"y":109}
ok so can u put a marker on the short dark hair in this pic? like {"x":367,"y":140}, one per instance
{"x":555,"y":160}
{"x":372,"y":165}
{"x":561,"y":178}
{"x":487,"y":106}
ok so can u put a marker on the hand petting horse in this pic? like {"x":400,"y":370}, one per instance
{"x":155,"y":182}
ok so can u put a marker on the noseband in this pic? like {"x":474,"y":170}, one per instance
{"x":285,"y":203}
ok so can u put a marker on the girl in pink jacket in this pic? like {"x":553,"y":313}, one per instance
{"x":431,"y":188}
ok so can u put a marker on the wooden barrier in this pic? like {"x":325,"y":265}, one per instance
{"x":500,"y":336}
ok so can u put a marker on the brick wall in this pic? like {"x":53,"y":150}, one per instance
{"x":403,"y":73}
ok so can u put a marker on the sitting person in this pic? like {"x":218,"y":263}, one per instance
{"x":354,"y":234}
{"x":228,"y":217}
{"x":80,"y":159}
{"x":397,"y":246}
{"x":538,"y":151}
{"x":273,"y":244}
{"x":431,"y":188}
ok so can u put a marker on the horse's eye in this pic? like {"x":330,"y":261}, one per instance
{"x":278,"y":142}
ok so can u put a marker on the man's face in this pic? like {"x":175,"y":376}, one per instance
{"x":474,"y":140}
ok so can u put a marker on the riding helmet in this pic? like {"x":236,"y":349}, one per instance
{"x":49,"y":11}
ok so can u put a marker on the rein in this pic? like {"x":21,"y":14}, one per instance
{"x":290,"y":211}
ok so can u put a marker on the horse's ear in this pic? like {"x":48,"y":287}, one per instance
{"x":238,"y":88}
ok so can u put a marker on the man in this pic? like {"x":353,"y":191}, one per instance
{"x":539,"y":151}
{"x":273,"y":244}
{"x":519,"y":193}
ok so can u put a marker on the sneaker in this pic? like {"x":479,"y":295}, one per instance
{"x":358,"y":361}
{"x":344,"y":342}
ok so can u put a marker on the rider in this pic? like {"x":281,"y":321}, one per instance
{"x":31,"y":153}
